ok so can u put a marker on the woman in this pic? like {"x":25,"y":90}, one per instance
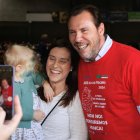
{"x":66,"y":121}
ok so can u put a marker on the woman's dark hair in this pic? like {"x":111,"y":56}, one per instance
{"x":93,"y":10}
{"x":71,"y":81}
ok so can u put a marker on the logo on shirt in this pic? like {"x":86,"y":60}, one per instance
{"x":103,"y":76}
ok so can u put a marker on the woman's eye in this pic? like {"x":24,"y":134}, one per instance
{"x":71,"y":32}
{"x":63,"y":61}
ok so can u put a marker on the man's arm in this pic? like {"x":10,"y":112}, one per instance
{"x":48,"y":91}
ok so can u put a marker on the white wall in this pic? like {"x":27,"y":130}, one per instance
{"x":15,"y":10}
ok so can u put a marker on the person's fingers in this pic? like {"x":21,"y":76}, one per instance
{"x":13,"y":123}
{"x":2,"y":116}
{"x":17,"y":108}
{"x":49,"y":93}
{"x":49,"y":98}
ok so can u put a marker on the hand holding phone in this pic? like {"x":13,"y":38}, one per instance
{"x":8,"y":127}
{"x":6,"y":90}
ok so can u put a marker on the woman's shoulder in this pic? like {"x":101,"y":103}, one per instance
{"x":76,"y":101}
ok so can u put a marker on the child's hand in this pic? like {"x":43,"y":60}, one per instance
{"x":48,"y":91}
{"x":38,"y":115}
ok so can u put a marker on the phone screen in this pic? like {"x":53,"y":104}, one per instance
{"x":6,"y":90}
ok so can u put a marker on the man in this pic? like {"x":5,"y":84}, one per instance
{"x":6,"y":92}
{"x":108,"y":78}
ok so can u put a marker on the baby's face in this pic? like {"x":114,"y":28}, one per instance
{"x":29,"y":67}
{"x":26,"y":68}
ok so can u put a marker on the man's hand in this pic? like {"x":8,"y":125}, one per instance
{"x":48,"y":91}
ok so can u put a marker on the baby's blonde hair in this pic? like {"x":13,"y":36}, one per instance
{"x":20,"y":55}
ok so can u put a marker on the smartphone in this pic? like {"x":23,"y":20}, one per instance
{"x":6,"y":89}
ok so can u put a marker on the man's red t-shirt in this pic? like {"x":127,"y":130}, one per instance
{"x":110,"y":93}
{"x":7,"y":96}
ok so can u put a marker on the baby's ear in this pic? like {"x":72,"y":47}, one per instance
{"x":18,"y":68}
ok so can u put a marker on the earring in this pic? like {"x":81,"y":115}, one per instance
{"x":71,"y":69}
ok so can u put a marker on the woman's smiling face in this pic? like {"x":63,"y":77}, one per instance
{"x":58,"y":64}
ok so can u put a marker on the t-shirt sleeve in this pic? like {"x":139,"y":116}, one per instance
{"x":78,"y":128}
{"x":38,"y":78}
{"x":134,"y":71}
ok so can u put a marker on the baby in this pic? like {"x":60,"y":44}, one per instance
{"x":26,"y":77}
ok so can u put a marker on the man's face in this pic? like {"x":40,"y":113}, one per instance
{"x":4,"y":84}
{"x":85,"y":37}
